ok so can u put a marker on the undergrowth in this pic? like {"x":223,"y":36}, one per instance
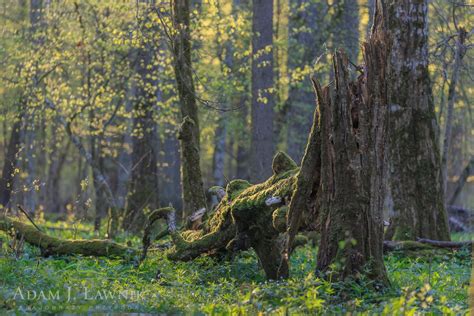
{"x":435,"y":284}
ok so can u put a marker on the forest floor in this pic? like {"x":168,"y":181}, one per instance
{"x":436,"y":283}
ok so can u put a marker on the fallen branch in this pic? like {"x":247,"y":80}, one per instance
{"x":446,"y":244}
{"x":55,"y":246}
{"x":28,"y":216}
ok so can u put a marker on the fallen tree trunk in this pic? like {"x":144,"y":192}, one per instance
{"x":247,"y":216}
{"x":424,"y":244}
{"x":446,"y":244}
{"x":55,"y":246}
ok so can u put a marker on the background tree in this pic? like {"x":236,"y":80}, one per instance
{"x":415,"y":172}
{"x":262,"y":112}
{"x":144,"y":187}
{"x":191,"y":176}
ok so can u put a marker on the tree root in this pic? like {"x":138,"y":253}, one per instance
{"x":55,"y":246}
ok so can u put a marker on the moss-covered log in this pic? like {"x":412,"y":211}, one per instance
{"x":55,"y":246}
{"x":259,"y":212}
{"x":247,"y":216}
{"x":243,"y":219}
{"x":424,"y":244}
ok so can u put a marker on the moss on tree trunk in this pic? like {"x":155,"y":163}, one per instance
{"x":415,"y":158}
{"x":191,"y":178}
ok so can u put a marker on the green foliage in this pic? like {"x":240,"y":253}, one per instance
{"x":418,"y":285}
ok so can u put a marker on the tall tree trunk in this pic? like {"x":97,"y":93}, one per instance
{"x":191,"y":176}
{"x":143,"y":186}
{"x":262,"y":138}
{"x":354,"y":121}
{"x":458,"y":56}
{"x":305,"y":46}
{"x":415,"y":184}
{"x":29,"y":132}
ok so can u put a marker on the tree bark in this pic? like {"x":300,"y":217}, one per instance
{"x":415,"y":163}
{"x":262,"y":112}
{"x":303,"y":206}
{"x":354,"y":120}
{"x":191,"y":176}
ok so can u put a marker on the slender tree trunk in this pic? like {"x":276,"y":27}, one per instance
{"x":102,"y":204}
{"x":458,"y":56}
{"x":191,"y":176}
{"x":354,"y":121}
{"x":29,"y":132}
{"x":263,"y":103}
{"x":415,"y":184}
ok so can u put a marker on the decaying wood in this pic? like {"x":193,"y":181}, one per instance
{"x":354,"y":121}
{"x":247,"y":216}
{"x":55,"y":246}
{"x":308,"y":181}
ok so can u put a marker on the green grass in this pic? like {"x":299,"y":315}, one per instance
{"x":435,"y":284}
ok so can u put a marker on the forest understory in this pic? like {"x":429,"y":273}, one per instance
{"x":419,"y":283}
{"x":236,"y":157}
